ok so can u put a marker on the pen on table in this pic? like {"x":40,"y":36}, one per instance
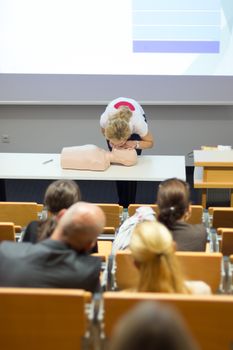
{"x":47,"y":161}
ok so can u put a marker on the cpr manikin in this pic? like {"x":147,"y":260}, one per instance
{"x":91,"y":157}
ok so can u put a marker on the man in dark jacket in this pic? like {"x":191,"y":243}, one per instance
{"x":62,"y":261}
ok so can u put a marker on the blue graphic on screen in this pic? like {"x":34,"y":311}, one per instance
{"x":181,"y":26}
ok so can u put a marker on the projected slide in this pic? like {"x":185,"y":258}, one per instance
{"x":176,"y":26}
{"x":133,"y":37}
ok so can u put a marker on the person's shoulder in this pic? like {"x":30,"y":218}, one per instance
{"x":31,"y":232}
{"x":7,"y":245}
{"x":86,"y":266}
{"x":87,"y":259}
{"x":132,"y":104}
{"x":14,"y":249}
{"x":197,"y":228}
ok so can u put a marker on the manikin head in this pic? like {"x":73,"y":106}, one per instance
{"x":125,"y":156}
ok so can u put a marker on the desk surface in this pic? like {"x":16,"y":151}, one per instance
{"x":30,"y":166}
{"x":213,"y":158}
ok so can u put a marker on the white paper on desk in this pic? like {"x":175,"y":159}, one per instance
{"x":224,"y":148}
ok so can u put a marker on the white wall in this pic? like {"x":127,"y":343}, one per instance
{"x":176,"y":129}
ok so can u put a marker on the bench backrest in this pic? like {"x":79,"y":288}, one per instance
{"x":48,"y":319}
{"x":209,"y":318}
{"x":195,"y":265}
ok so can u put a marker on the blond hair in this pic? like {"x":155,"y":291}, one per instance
{"x":118,"y":125}
{"x":153,"y":251}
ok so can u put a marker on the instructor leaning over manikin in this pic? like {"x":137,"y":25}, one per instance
{"x":124,"y":125}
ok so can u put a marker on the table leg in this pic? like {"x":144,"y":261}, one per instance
{"x":2,"y":190}
{"x":231,"y":197}
{"x":204,"y":197}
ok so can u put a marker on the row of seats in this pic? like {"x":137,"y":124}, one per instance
{"x":196,"y":266}
{"x":21,"y":213}
{"x":25,"y":312}
{"x":220,"y":218}
{"x":52,"y":319}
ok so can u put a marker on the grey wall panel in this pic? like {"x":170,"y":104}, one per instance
{"x":176,"y":129}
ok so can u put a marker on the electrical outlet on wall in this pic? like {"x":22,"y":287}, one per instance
{"x":5,"y":138}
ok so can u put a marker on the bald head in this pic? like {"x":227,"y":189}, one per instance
{"x":80,"y":226}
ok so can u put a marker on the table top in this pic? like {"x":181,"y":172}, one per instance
{"x":213,"y":158}
{"x":47,"y":166}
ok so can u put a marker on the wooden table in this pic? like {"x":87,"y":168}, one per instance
{"x":213,"y":169}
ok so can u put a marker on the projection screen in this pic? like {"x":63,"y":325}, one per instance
{"x":89,"y":52}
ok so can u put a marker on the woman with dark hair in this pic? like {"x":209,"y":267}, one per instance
{"x":173,"y":199}
{"x":60,"y":194}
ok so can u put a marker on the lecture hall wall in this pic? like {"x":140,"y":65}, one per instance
{"x":177,"y":129}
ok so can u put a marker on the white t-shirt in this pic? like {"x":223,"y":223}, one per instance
{"x":137,"y":122}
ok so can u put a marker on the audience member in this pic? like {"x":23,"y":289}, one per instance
{"x":174,"y":210}
{"x":62,"y":261}
{"x":153,"y":250}
{"x":60,"y":194}
{"x":173,"y":199}
{"x":122,"y":239}
{"x":150,"y":325}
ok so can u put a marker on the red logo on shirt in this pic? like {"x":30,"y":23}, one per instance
{"x":125,"y":103}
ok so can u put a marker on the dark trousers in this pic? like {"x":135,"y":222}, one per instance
{"x":127,"y":190}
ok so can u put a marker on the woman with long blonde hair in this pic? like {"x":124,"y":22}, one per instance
{"x":153,"y":250}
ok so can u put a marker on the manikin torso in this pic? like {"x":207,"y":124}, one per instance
{"x":91,"y":157}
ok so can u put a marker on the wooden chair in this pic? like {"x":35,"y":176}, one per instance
{"x":226,"y":243}
{"x":133,"y":207}
{"x":7,"y":231}
{"x":202,"y":266}
{"x":108,"y":235}
{"x":113,"y":214}
{"x":125,"y":273}
{"x":20,"y":213}
{"x":48,"y":319}
{"x":199,"y":266}
{"x":108,"y":230}
{"x":221,"y":217}
{"x":104,"y":249}
{"x":196,"y":216}
{"x":209,"y":318}
{"x":211,"y":209}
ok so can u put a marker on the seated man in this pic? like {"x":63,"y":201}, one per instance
{"x":91,"y":157}
{"x":62,"y":261}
